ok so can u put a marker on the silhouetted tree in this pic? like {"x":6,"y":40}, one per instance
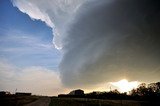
{"x":158,"y":87}
{"x":133,"y":92}
{"x":115,"y":91}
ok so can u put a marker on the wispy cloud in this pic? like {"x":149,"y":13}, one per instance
{"x":37,"y":80}
{"x":28,"y":49}
{"x":19,"y":39}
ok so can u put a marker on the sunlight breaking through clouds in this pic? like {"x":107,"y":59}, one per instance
{"x":125,"y":86}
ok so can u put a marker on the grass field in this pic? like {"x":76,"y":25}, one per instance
{"x":96,"y":102}
{"x":13,"y":100}
{"x":55,"y":101}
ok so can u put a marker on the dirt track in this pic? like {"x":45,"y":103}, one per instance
{"x":40,"y":102}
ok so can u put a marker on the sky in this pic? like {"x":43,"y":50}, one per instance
{"x":69,"y":44}
{"x":27,"y":54}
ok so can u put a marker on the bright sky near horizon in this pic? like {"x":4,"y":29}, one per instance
{"x":49,"y":47}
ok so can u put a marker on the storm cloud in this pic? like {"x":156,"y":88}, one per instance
{"x":107,"y":40}
{"x":112,"y":40}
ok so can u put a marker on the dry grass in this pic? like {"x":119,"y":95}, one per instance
{"x":13,"y":100}
{"x":96,"y":102}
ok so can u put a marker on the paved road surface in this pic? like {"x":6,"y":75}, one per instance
{"x":40,"y":102}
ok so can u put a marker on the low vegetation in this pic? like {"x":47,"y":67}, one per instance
{"x":14,"y":100}
{"x":98,"y":102}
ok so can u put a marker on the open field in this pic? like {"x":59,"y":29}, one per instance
{"x":55,"y":101}
{"x":96,"y":102}
{"x":14,"y":100}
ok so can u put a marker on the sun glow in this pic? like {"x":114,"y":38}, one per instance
{"x":125,"y":86}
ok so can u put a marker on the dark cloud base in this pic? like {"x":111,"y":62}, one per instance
{"x":111,"y":40}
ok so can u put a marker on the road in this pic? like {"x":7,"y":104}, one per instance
{"x":40,"y":102}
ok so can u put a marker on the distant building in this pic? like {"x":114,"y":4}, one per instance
{"x":23,"y":94}
{"x":77,"y":92}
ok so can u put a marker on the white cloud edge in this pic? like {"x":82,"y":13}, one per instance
{"x":62,"y":12}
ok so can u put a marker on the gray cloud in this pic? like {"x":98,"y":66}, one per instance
{"x":102,"y":40}
{"x":110,"y":40}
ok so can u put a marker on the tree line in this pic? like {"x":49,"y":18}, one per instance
{"x":142,"y":92}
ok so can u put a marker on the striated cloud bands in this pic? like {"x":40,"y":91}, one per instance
{"x":103,"y":40}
